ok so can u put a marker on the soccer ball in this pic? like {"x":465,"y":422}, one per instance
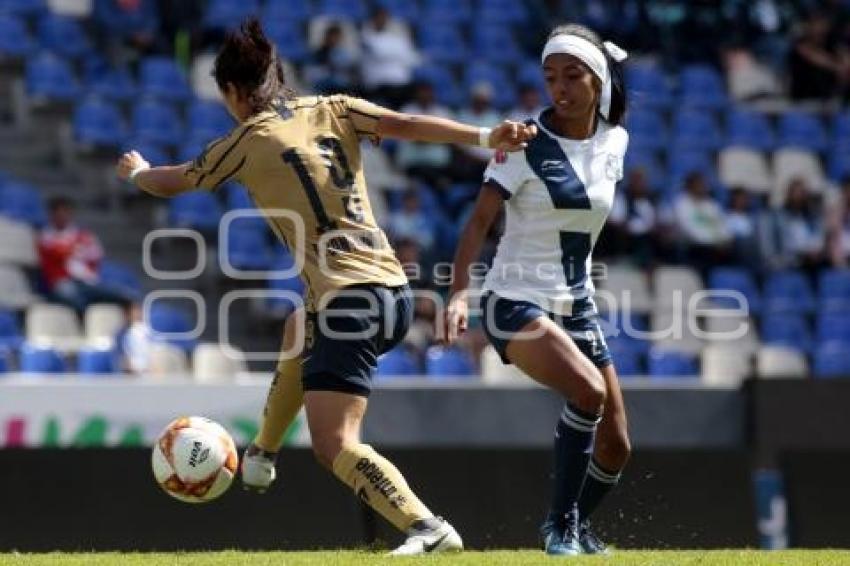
{"x":194,"y":459}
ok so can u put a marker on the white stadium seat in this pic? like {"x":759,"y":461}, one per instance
{"x":210,"y":362}
{"x":167,"y":360}
{"x":16,"y":293}
{"x":778,"y":362}
{"x":725,"y":364}
{"x":725,"y":330}
{"x":791,"y":163}
{"x":674,"y":286}
{"x":103,"y":322}
{"x":54,"y":325}
{"x":17,"y":243}
{"x":745,"y":168}
{"x":495,"y":372}
{"x":672,"y":330}
{"x":624,"y":288}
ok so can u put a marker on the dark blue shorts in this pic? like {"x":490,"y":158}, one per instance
{"x":343,"y":341}
{"x":507,"y":317}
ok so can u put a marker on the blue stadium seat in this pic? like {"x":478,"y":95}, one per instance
{"x":22,"y":202}
{"x":15,"y":40}
{"x":41,"y":359}
{"x":841,"y":129}
{"x":642,"y":159}
{"x":26,"y":8}
{"x":697,"y":130}
{"x":155,"y":153}
{"x":672,"y":363}
{"x":832,"y":360}
{"x":99,"y":123}
{"x":190,"y":149}
{"x":831,"y":326}
{"x":237,"y":197}
{"x":442,"y":43}
{"x":787,"y":329}
{"x":397,"y":362}
{"x":834,"y":290}
{"x":227,"y":14}
{"x":444,"y":83}
{"x":504,"y":94}
{"x":292,"y":11}
{"x":282,"y":306}
{"x":629,"y":362}
{"x":113,"y":84}
{"x":51,"y":78}
{"x":788,"y":292}
{"x":621,"y":330}
{"x":802,"y":130}
{"x":11,"y":337}
{"x":208,"y":120}
{"x":495,"y":43}
{"x":647,"y":86}
{"x":288,"y":36}
{"x":702,"y":86}
{"x":528,"y":72}
{"x":93,"y":361}
{"x":64,"y":36}
{"x":838,"y":164}
{"x":168,"y":319}
{"x":4,"y":361}
{"x":456,"y":11}
{"x":746,"y":128}
{"x":683,"y":162}
{"x":120,"y":279}
{"x":342,"y":9}
{"x":197,"y":209}
{"x":442,"y":361}
{"x":248,"y":248}
{"x":735,"y":279}
{"x":647,"y":130}
{"x":156,"y":122}
{"x":161,"y":77}
{"x":500,"y":12}
{"x":400,"y":9}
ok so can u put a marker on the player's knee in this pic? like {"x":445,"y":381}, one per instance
{"x":590,"y":394}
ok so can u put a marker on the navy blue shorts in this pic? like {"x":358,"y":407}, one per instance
{"x":507,"y":317}
{"x":343,"y":340}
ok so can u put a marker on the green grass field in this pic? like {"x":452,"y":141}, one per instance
{"x":495,"y":558}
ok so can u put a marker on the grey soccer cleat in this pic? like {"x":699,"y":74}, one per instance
{"x":430,"y":536}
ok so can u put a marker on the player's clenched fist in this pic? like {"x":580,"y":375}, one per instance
{"x":457,"y":316}
{"x":512,"y":136}
{"x":129,"y":164}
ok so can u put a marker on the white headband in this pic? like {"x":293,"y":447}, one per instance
{"x":591,"y":56}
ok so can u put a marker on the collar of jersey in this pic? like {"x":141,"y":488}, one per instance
{"x":551,"y":134}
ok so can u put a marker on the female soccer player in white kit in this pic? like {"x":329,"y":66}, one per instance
{"x":537,"y":306}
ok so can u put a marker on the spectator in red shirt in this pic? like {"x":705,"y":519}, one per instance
{"x":70,"y":257}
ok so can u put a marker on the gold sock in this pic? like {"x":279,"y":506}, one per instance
{"x":286,"y":394}
{"x":377,"y":482}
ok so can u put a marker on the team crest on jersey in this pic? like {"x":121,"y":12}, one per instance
{"x":614,"y":167}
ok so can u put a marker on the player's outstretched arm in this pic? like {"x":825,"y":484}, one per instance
{"x":469,"y":247}
{"x":507,"y":136}
{"x":167,"y":181}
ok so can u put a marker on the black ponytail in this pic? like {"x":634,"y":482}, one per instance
{"x":619,"y":99}
{"x":250,"y":62}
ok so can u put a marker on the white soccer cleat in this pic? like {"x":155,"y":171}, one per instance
{"x":430,"y":536}
{"x":258,"y":471}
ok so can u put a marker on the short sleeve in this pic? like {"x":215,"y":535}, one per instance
{"x":364,"y":116}
{"x":507,"y":172}
{"x":221,"y":161}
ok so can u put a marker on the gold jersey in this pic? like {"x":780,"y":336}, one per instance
{"x":302,"y":165}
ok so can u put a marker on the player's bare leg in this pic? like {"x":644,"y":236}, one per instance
{"x":284,"y":401}
{"x":554,"y":360}
{"x":335,"y":419}
{"x":611,"y":451}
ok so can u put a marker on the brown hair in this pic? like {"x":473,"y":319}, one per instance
{"x":250,"y":62}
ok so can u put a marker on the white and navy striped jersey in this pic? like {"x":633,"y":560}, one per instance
{"x":558,"y":194}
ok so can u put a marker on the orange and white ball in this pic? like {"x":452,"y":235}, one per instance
{"x":194,"y":459}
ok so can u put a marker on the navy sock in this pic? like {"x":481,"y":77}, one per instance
{"x":573,"y":448}
{"x":597,"y":484}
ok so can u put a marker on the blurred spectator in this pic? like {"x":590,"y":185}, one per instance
{"x":127,"y":23}
{"x":632,"y":223}
{"x":741,"y":225}
{"x":763,"y":27}
{"x":748,"y":78}
{"x":70,"y":257}
{"x":701,"y":224}
{"x":793,"y":235}
{"x":182,"y":18}
{"x":135,"y":341}
{"x":409,"y":254}
{"x":389,"y":57}
{"x":411,"y":222}
{"x":334,"y":65}
{"x":819,"y":67}
{"x":838,"y":229}
{"x":470,"y":161}
{"x":429,"y":162}
{"x":529,"y":105}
